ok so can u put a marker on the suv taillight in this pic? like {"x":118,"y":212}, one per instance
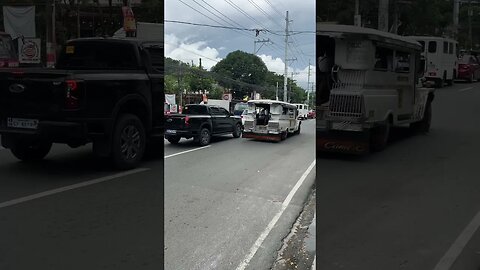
{"x":72,"y":96}
{"x":187,"y":119}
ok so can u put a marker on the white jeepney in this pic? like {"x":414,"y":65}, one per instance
{"x":270,"y":120}
{"x":372,"y":84}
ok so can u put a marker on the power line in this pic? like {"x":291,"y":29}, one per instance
{"x":274,"y":8}
{"x":264,"y":13}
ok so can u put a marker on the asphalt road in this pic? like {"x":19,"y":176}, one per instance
{"x":220,"y":200}
{"x":73,"y":211}
{"x":114,"y":222}
{"x":410,"y":206}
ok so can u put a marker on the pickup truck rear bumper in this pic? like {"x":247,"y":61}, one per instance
{"x":54,"y":131}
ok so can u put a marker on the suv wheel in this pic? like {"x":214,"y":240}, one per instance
{"x":237,"y":132}
{"x":128,"y":144}
{"x":30,"y":151}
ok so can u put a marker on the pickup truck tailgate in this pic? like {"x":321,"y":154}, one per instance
{"x":175,"y":122}
{"x":32,"y":94}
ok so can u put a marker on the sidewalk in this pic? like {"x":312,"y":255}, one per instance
{"x":298,"y":250}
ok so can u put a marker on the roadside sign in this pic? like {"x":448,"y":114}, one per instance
{"x":227,"y":97}
{"x":29,"y":50}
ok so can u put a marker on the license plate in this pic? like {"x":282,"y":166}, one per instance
{"x":22,"y":123}
{"x":170,"y":131}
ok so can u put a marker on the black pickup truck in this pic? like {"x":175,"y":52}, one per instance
{"x":200,"y":122}
{"x":107,"y":91}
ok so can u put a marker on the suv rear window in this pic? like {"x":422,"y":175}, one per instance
{"x":195,"y":109}
{"x":98,"y":55}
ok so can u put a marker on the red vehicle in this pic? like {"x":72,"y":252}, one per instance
{"x":311,"y":114}
{"x":8,"y":56}
{"x":468,"y":68}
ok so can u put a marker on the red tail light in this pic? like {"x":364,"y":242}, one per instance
{"x":187,"y":119}
{"x":72,"y":97}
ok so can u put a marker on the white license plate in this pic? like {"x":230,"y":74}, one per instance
{"x":22,"y":123}
{"x":170,"y":131}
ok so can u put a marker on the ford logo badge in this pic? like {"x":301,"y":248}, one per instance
{"x":17,"y":88}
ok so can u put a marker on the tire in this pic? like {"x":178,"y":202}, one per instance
{"x":379,"y":137}
{"x":439,"y":83}
{"x":471,"y":79}
{"x":237,"y":132}
{"x":284,"y":135}
{"x":423,"y":126}
{"x":173,"y":139}
{"x":30,"y":151}
{"x":128,"y":142}
{"x":204,"y":138}
{"x":297,"y":132}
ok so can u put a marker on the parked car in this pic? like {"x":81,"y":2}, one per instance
{"x":8,"y":55}
{"x":468,"y":68}
{"x":103,"y":90}
{"x":201,"y":122}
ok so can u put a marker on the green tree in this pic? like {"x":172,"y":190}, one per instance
{"x":242,"y":72}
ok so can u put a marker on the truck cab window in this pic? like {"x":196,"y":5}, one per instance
{"x":432,"y":47}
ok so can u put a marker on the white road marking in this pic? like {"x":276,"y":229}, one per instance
{"x":272,"y":223}
{"x":457,"y":247}
{"x":465,"y":89}
{"x":188,"y":151}
{"x":67,"y":188}
{"x":314,"y":262}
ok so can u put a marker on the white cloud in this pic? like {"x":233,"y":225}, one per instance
{"x":187,"y":52}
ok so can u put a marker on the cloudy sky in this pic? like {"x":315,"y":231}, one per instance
{"x":188,"y":43}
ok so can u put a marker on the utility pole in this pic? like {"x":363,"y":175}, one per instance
{"x":263,"y":41}
{"x":276,"y":92}
{"x":308,"y":82}
{"x":470,"y":14}
{"x":383,"y":15}
{"x":285,"y":74}
{"x":357,"y":19}
{"x":456,"y":9}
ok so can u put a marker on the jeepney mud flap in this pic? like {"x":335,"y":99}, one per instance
{"x":342,"y":142}
{"x":263,"y":137}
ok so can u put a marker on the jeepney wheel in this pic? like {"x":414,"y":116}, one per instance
{"x":471,"y":79}
{"x":423,"y":126}
{"x":297,"y":132}
{"x":204,"y":137}
{"x":30,"y":151}
{"x":379,"y":136}
{"x":173,"y":139}
{"x":237,"y":132}
{"x":284,"y":135}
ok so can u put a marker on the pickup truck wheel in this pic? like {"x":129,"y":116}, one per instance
{"x":379,"y":136}
{"x":204,"y":137}
{"x":30,"y":151}
{"x":128,"y":144}
{"x":237,"y":132}
{"x":173,"y":139}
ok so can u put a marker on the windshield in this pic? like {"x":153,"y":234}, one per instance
{"x":98,"y":55}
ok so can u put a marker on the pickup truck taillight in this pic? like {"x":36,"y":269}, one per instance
{"x":72,"y":95}
{"x":187,"y":119}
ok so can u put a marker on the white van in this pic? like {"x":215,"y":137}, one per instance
{"x":302,"y":110}
{"x":148,"y":31}
{"x":441,"y":56}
